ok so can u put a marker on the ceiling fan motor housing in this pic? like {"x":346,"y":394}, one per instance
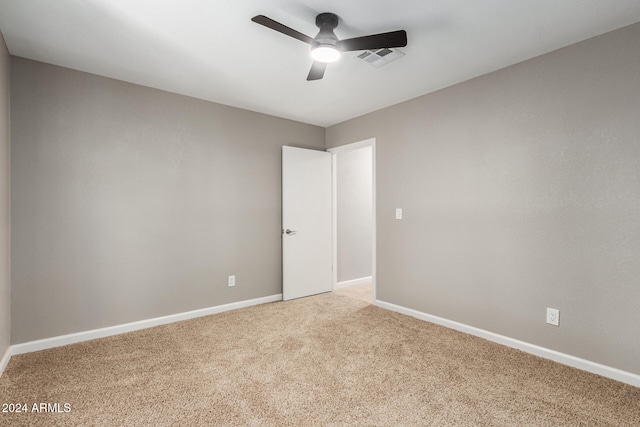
{"x":326,"y":37}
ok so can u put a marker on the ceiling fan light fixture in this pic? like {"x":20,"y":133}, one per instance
{"x":325,"y":53}
{"x":326,"y":47}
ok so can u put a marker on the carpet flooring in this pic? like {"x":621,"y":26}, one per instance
{"x":326,"y":360}
{"x":363,"y":291}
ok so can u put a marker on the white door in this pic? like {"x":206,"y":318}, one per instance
{"x":306,"y":222}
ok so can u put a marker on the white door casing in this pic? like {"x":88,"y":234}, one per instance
{"x":307,"y":238}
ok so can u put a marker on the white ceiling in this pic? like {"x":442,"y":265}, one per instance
{"x":210,"y":49}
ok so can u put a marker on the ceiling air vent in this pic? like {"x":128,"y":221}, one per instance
{"x":380,"y":57}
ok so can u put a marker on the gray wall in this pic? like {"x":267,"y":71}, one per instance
{"x":354,"y":212}
{"x":131,"y":203}
{"x":5,"y":200}
{"x":521,"y":191}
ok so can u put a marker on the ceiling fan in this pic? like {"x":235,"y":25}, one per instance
{"x":326,"y":47}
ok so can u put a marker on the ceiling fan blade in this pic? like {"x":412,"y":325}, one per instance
{"x":275,"y":25}
{"x":317,"y":70}
{"x":374,"y":41}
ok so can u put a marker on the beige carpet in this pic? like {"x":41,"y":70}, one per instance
{"x":363,"y":291}
{"x":327,"y":360}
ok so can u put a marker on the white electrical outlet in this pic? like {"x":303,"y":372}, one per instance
{"x":553,"y":316}
{"x":398,"y":213}
{"x":231,"y":281}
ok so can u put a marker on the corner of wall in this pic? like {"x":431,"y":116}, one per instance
{"x":5,"y":204}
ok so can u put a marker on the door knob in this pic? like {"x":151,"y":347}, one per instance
{"x":290,"y":232}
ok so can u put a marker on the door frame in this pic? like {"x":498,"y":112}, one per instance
{"x":371,"y":142}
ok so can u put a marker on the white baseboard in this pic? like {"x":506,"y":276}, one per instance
{"x":5,"y":360}
{"x":46,"y":343}
{"x":352,"y":282}
{"x":556,"y":356}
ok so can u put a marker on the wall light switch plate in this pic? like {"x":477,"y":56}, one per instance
{"x":398,"y":213}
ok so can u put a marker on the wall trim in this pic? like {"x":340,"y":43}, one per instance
{"x":5,"y":360}
{"x":353,"y":282}
{"x":556,"y":356}
{"x":58,"y":341}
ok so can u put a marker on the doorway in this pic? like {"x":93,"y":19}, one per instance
{"x":354,"y":220}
